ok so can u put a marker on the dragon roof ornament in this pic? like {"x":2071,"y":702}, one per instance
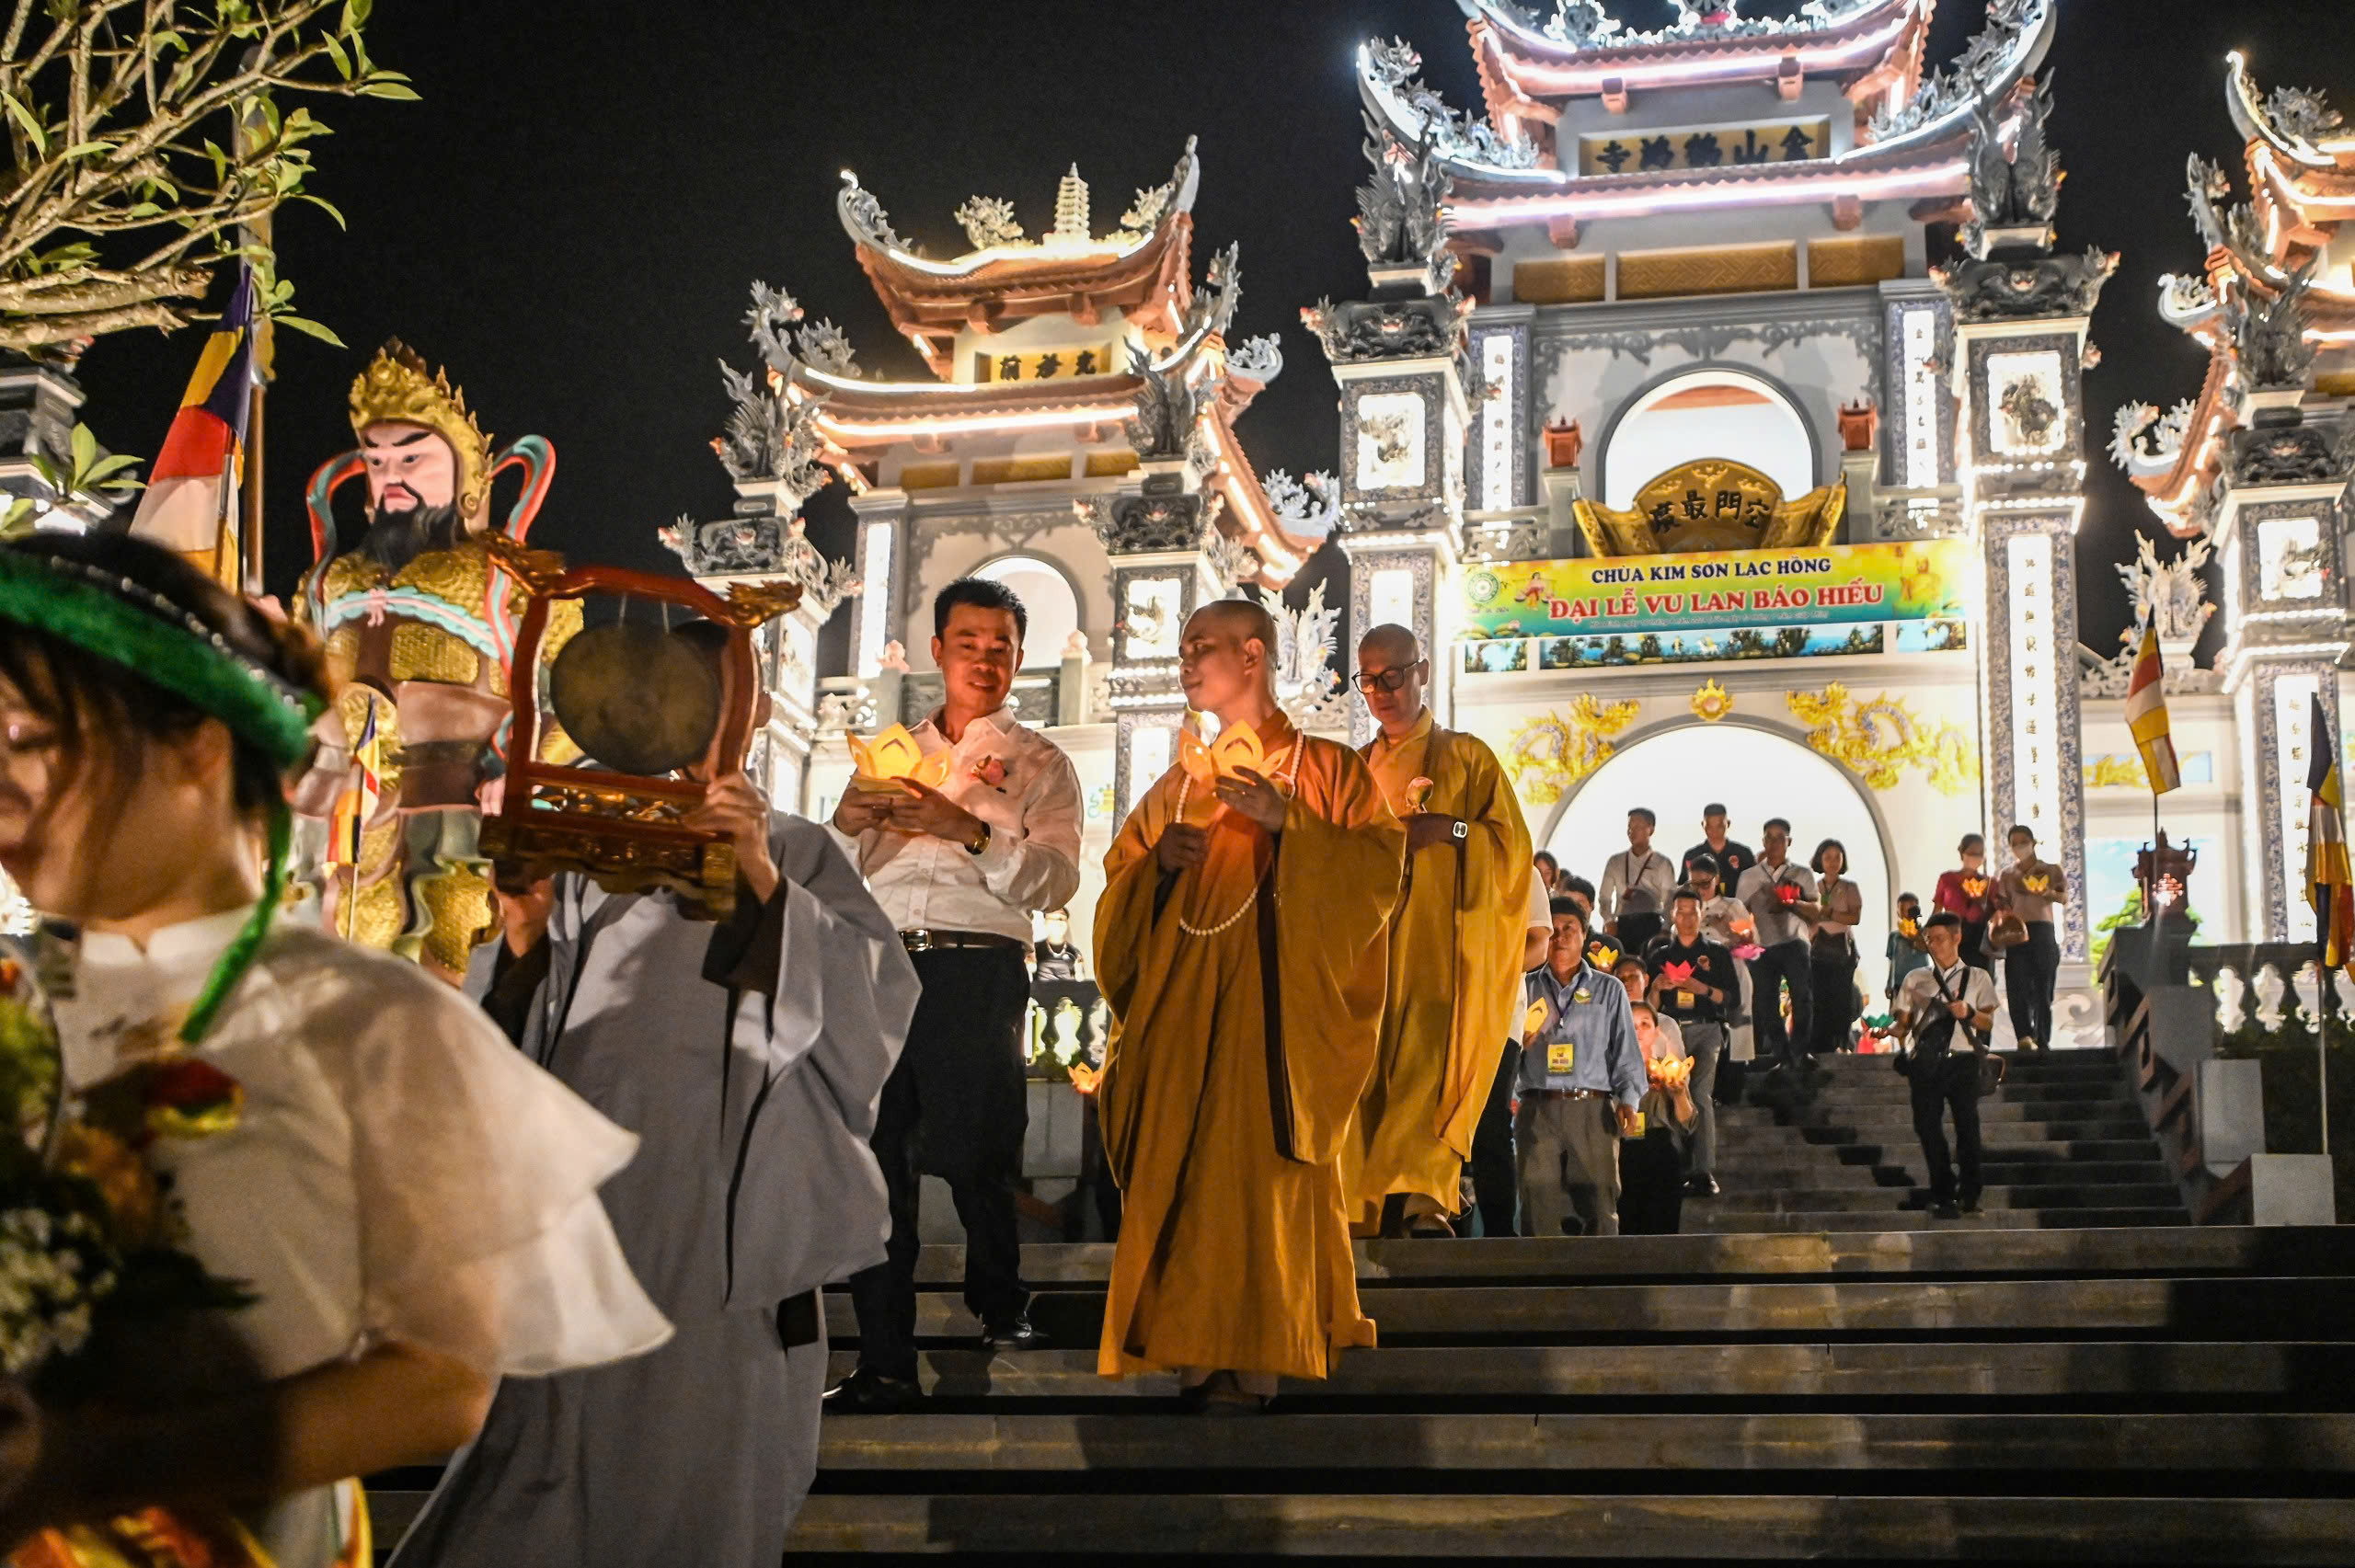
{"x":772,"y":442}
{"x":2269,"y":339}
{"x":1396,"y":101}
{"x":2018,"y":189}
{"x":2012,"y":44}
{"x":2297,"y":122}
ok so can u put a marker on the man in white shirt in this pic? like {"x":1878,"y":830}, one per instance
{"x":1944,"y":1011}
{"x":1633,"y":900}
{"x":959,"y":869}
{"x":1779,"y":894}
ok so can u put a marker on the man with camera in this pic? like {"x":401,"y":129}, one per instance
{"x":1944,"y":1012}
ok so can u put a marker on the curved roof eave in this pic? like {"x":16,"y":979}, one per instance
{"x":1643,"y":48}
{"x":863,"y":220}
{"x":2251,"y":120}
{"x":1923,"y":139}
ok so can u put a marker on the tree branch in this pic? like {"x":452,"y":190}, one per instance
{"x":27,"y":334}
{"x":64,"y":293}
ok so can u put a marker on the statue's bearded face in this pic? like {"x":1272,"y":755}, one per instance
{"x":409,"y":467}
{"x":412,"y":493}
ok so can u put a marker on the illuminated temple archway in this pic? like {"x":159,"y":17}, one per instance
{"x":1709,"y":411}
{"x":1049,"y":602}
{"x":1757,"y":772}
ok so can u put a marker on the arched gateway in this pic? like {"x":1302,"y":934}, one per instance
{"x":1757,"y":773}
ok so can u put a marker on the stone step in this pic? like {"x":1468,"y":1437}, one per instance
{"x":1870,"y":1110}
{"x":2033,"y":1370}
{"x":1920,"y":1220}
{"x":2088,"y":1194}
{"x":1894,"y":1124}
{"x":2041,"y":1064}
{"x":2259,"y":1307}
{"x":1846,"y":1146}
{"x":1442,"y":1527}
{"x":2317,"y":1251}
{"x":1572,"y":1447}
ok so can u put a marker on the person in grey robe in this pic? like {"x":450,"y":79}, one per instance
{"x":748,"y":1058}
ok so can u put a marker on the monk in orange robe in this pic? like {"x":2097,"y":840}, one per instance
{"x":1456,"y":951}
{"x":1240,"y":942}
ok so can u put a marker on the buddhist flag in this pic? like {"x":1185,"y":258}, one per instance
{"x":358,"y":804}
{"x":2330,"y":888}
{"x":2147,"y":716}
{"x":192,"y":491}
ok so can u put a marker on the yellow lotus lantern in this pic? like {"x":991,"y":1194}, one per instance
{"x":886,"y":764}
{"x":1236,"y":749}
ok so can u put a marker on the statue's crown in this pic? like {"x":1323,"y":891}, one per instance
{"x":397,"y":386}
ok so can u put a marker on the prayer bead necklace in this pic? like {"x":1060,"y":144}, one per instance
{"x":1185,"y":791}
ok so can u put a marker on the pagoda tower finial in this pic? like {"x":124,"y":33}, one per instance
{"x":1071,"y":210}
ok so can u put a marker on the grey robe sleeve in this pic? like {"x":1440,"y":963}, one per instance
{"x":806,"y":1200}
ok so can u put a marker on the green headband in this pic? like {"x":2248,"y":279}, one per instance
{"x":113,"y":618}
{"x":108,"y":616}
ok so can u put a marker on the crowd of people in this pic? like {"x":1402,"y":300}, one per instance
{"x":1759,"y":963}
{"x":572,"y":1224}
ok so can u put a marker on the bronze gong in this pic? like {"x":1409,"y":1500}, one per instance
{"x":635,"y":697}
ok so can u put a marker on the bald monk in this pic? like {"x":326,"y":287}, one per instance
{"x":1241,"y":943}
{"x":1455,"y":949}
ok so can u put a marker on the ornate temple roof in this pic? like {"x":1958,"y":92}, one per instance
{"x":2300,"y":159}
{"x":1913,"y":132}
{"x":1142,"y":266}
{"x":1582,"y":47}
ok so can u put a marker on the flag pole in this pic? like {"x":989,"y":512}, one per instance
{"x":255,"y":235}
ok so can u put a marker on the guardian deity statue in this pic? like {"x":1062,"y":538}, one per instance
{"x":419,"y":621}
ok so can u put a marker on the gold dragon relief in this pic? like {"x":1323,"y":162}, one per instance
{"x":1879,"y":739}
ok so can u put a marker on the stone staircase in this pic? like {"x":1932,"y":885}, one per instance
{"x":2065,"y":1145}
{"x":2118,"y":1395}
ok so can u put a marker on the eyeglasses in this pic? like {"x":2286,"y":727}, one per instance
{"x":1372,"y":680}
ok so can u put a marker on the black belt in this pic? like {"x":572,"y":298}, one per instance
{"x":1566,"y":1093}
{"x":924,"y":941}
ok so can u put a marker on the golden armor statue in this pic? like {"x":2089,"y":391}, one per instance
{"x":419,"y":621}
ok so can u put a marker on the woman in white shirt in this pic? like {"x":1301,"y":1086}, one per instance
{"x":411,"y":1204}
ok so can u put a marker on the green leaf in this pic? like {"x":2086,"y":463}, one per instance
{"x":144,"y":210}
{"x":87,"y":149}
{"x":399,"y":91}
{"x":107,"y":468}
{"x":309,"y":329}
{"x":19,"y":519}
{"x":86,"y":448}
{"x":336,"y":53}
{"x":23,"y":117}
{"x":355,"y":17}
{"x":324,"y":205}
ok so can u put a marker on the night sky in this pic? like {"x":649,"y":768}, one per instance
{"x":570,"y":219}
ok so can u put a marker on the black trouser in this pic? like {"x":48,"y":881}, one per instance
{"x":1095,"y":1182}
{"x":2030,"y":971}
{"x":1636,"y":931}
{"x":1495,"y":1182}
{"x":1785,"y":961}
{"x":1832,"y":978}
{"x":1948,"y":1083}
{"x":1975,"y":951}
{"x":1651,"y":1185}
{"x":956,"y":1106}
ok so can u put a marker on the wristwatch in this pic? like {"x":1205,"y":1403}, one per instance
{"x":978,"y":842}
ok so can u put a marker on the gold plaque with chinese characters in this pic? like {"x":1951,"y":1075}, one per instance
{"x":1709,"y":505}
